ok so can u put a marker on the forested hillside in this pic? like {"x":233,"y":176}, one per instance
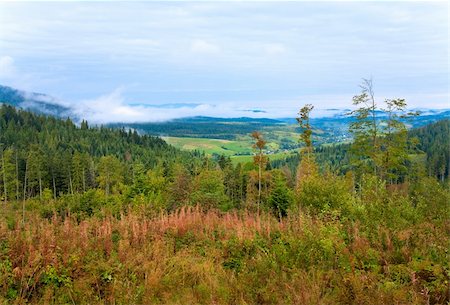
{"x":434,"y":141}
{"x":429,"y":144}
{"x":108,"y":216}
{"x":32,"y":101}
{"x":45,"y":154}
{"x":329,"y":128}
{"x":221,"y":153}
{"x":204,"y":127}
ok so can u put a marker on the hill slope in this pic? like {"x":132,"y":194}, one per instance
{"x":433,"y":142}
{"x":35,"y":102}
{"x":46,"y":152}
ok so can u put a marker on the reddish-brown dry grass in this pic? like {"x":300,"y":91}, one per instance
{"x":182,"y":257}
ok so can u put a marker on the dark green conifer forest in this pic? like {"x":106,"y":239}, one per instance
{"x":96,"y":215}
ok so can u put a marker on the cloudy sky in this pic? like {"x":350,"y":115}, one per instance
{"x":138,"y":61}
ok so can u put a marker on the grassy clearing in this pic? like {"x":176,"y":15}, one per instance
{"x":239,"y":150}
{"x":211,"y":146}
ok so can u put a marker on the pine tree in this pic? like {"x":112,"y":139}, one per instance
{"x":280,"y":197}
{"x":35,"y":171}
{"x":180,"y":188}
{"x":79,"y":171}
{"x":8,"y":174}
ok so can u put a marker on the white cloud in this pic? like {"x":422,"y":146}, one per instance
{"x":106,"y":108}
{"x":7,"y":68}
{"x":277,"y":49}
{"x":204,"y":47}
{"x":112,"y":108}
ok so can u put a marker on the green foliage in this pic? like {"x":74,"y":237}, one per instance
{"x":304,"y":122}
{"x":208,"y":190}
{"x":385,"y":247}
{"x":51,"y":276}
{"x":325,"y":193}
{"x":438,"y":207}
{"x":380,"y":140}
{"x":180,"y":188}
{"x":130,"y":221}
{"x":365,"y":129}
{"x":110,"y":174}
{"x":8,"y":175}
{"x":434,"y":141}
{"x":41,"y":152}
{"x":281,"y":197}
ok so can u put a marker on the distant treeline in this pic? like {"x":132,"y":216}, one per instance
{"x":433,"y":143}
{"x":202,"y":127}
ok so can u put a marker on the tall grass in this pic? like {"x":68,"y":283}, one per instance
{"x":191,"y":256}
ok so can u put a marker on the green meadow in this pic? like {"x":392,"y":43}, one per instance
{"x":211,"y":146}
{"x":239,"y":150}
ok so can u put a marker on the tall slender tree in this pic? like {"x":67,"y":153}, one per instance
{"x":259,"y":159}
{"x":109,"y":173}
{"x":380,"y":143}
{"x":5,"y":189}
{"x":394,"y":143}
{"x":303,"y":120}
{"x":365,"y":129}
{"x":307,"y":166}
{"x":8,"y":174}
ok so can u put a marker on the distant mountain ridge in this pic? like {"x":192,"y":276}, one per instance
{"x":35,"y":102}
{"x":324,"y":118}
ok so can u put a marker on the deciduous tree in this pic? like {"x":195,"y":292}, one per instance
{"x":109,"y":173}
{"x":259,"y":159}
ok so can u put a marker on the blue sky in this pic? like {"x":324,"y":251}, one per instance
{"x":114,"y":60}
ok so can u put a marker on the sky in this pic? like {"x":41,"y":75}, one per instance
{"x":153,"y":61}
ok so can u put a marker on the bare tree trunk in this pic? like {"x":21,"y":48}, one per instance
{"x":4,"y":178}
{"x":84,"y":181}
{"x":24,"y":192}
{"x":17,"y":177}
{"x":54,"y":185}
{"x":107,"y":184}
{"x":40,"y":185}
{"x":91,"y":175}
{"x":70,"y":184}
{"x":259,"y":179}
{"x":374,"y":117}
